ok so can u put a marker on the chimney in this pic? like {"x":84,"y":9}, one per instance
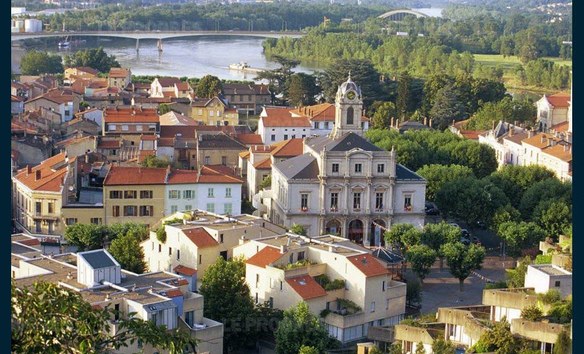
{"x":37,"y":175}
{"x":283,"y":249}
{"x":453,"y":121}
{"x":511,"y":130}
{"x":28,"y":170}
{"x":391,"y":122}
{"x":86,"y":157}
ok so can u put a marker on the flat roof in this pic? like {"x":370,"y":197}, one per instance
{"x":550,"y":269}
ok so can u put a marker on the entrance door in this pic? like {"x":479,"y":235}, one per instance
{"x":356,"y":231}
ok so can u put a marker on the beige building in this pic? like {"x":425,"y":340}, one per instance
{"x":553,"y":110}
{"x":553,"y":151}
{"x":162,"y":297}
{"x":39,"y":192}
{"x":217,"y":148}
{"x":247,"y":97}
{"x":213,"y":111}
{"x":119,"y":77}
{"x":342,"y":283}
{"x":170,"y":87}
{"x":197,"y":243}
{"x":80,"y":72}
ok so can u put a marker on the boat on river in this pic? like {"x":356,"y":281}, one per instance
{"x":243,"y":66}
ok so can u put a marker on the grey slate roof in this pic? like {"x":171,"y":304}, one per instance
{"x":403,"y":173}
{"x":98,"y":259}
{"x":219,"y":141}
{"x":387,"y":255}
{"x":299,"y":167}
{"x":347,"y":142}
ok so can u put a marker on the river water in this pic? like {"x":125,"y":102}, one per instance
{"x":190,"y":57}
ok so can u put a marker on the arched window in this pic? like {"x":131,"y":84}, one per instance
{"x":350,"y":113}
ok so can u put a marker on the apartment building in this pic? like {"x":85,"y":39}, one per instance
{"x":342,"y":282}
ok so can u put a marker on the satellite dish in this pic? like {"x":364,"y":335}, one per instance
{"x":71,"y":188}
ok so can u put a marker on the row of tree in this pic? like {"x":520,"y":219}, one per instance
{"x":36,"y":62}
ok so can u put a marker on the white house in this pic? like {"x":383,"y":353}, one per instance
{"x":505,"y":139}
{"x":208,"y":189}
{"x":278,"y":123}
{"x":543,"y":277}
{"x":343,"y":184}
{"x":552,"y":110}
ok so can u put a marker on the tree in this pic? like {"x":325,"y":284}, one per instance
{"x":153,"y":161}
{"x":404,"y":100}
{"x":266,"y":182}
{"x":438,"y":175}
{"x":420,"y":348}
{"x":209,"y":86}
{"x":395,"y":348}
{"x":563,"y":344}
{"x":436,"y":235}
{"x":449,"y":105}
{"x":504,"y":214}
{"x":382,"y":117}
{"x":298,"y":229}
{"x":227,"y":299}
{"x":520,"y":236}
{"x":531,"y":313}
{"x":308,"y":350}
{"x":35,"y":62}
{"x":470,"y":200}
{"x":47,"y":318}
{"x":507,"y":110}
{"x":479,"y":157}
{"x":421,"y":258}
{"x":515,"y":180}
{"x":127,"y":251}
{"x":164,"y":108}
{"x":553,"y":217}
{"x":278,"y":78}
{"x":301,"y":89}
{"x":498,"y":339}
{"x":86,"y":236}
{"x":463,"y":260}
{"x":301,"y":328}
{"x":516,"y":277}
{"x":95,"y":58}
{"x":403,"y":236}
{"x":548,"y":189}
{"x":413,"y":292}
{"x":441,"y":346}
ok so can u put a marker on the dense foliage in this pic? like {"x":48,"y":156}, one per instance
{"x":95,"y":58}
{"x":35,"y":62}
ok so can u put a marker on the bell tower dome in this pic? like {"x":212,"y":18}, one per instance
{"x":348,"y":109}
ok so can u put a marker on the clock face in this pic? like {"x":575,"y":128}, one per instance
{"x":351,"y":95}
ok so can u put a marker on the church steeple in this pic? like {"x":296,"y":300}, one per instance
{"x":348,"y":109}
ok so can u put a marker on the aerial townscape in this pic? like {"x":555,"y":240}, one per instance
{"x":291,"y":176}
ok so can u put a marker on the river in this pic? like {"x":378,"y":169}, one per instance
{"x":190,"y":57}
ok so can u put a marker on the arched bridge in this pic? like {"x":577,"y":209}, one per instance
{"x":398,"y":15}
{"x":154,"y":34}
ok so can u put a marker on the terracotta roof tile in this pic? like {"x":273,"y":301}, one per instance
{"x":183,"y":177}
{"x":368,"y":265}
{"x":130,"y":115}
{"x":289,"y":148}
{"x":168,"y":94}
{"x":184,"y":270}
{"x":183,"y":86}
{"x":559,"y":100}
{"x":119,"y":72}
{"x":265,"y":164}
{"x":471,"y":134}
{"x":109,"y":144}
{"x":244,"y":154}
{"x":148,"y":137}
{"x":560,"y":151}
{"x":266,"y":256}
{"x":52,"y":174}
{"x":143,"y":154}
{"x":171,"y":293}
{"x":324,"y":112}
{"x":249,"y":139}
{"x":119,"y":175}
{"x":561,"y":127}
{"x":541,"y":140}
{"x":31,"y":242}
{"x":217,"y":174}
{"x":200,"y":237}
{"x":281,"y":117}
{"x":168,"y":81}
{"x":306,"y":287}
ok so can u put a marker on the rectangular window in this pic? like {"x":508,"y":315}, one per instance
{"x":379,"y":201}
{"x":38,"y":207}
{"x":380,"y":168}
{"x":372,"y":309}
{"x":304,"y":201}
{"x":71,"y":221}
{"x":111,"y":127}
{"x":139,"y":128}
{"x":315,"y":125}
{"x":96,"y":221}
{"x":357,"y":200}
{"x":211,"y":113}
{"x":408,"y":202}
{"x":207,"y":160}
{"x":273,"y":137}
{"x":228,"y":192}
{"x":145,"y":194}
{"x":358,"y":168}
{"x":228,"y":209}
{"x":177,"y":255}
{"x":300,"y":255}
{"x":159,"y":248}
{"x":557,"y":284}
{"x":116,"y":210}
{"x":383,"y":286}
{"x":220,"y":238}
{"x":124,"y":127}
{"x":211,"y":207}
{"x":335,"y":168}
{"x":170,"y":251}
{"x":188,"y":194}
{"x":173,"y":209}
{"x":200,"y":112}
{"x":285,"y":136}
{"x":210,"y":193}
{"x":200,"y":259}
{"x":334,"y":201}
{"x":130,"y":210}
{"x":190,"y":318}
{"x":188,"y":207}
{"x":51,"y":207}
{"x":174,"y":194}
{"x":130,"y":194}
{"x":146,"y":210}
{"x":224,"y":160}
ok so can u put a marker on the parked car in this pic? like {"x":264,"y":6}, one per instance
{"x":431,"y":209}
{"x":465,"y":233}
{"x":454,"y":224}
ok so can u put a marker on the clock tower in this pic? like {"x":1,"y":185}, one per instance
{"x":348,"y":109}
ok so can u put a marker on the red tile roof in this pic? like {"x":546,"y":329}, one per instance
{"x":200,"y":237}
{"x":306,"y":287}
{"x":324,"y":112}
{"x":289,"y":148}
{"x":472,"y":134}
{"x":266,"y":256}
{"x":265,"y":164}
{"x":30,"y":242}
{"x":559,"y":100}
{"x":249,"y":139}
{"x":244,"y":154}
{"x":368,"y":265}
{"x":184,"y":270}
{"x":130,"y":115}
{"x":281,"y":117}
{"x":183,"y":176}
{"x":183,"y":86}
{"x":168,"y":94}
{"x":87,"y":70}
{"x":52,"y":174}
{"x":109,"y":144}
{"x":148,"y":137}
{"x":119,"y":72}
{"x":168,"y":81}
{"x":172,"y":293}
{"x":119,"y":176}
{"x":217,"y":174}
{"x":561,"y":127}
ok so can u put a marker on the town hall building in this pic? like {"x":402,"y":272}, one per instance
{"x":342,"y":184}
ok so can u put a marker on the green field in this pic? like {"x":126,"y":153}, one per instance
{"x":509,"y":63}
